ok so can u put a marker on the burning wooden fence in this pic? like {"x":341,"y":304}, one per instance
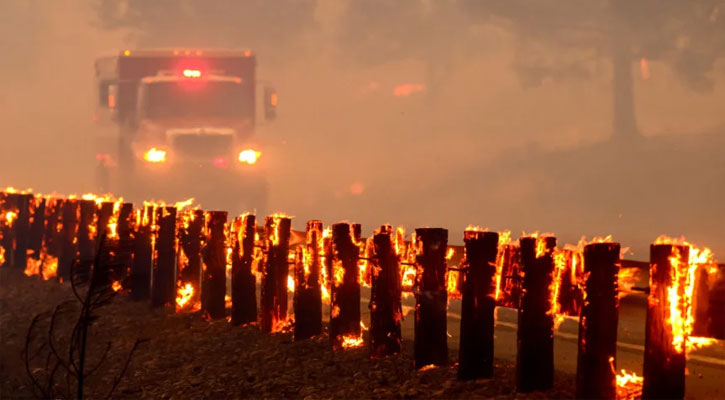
{"x":192,"y":260}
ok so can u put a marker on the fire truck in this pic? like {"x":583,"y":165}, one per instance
{"x":175,"y":123}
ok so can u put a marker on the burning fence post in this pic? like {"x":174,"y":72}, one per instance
{"x":308,"y":294}
{"x":385,"y":294}
{"x":140,"y":278}
{"x":570,"y":294}
{"x":21,"y":228}
{"x":67,"y":238}
{"x":191,"y":236}
{"x":125,"y":241}
{"x":431,"y":296}
{"x":87,"y":239}
{"x":275,"y":268}
{"x":535,"y":334}
{"x":344,"y":275}
{"x":478,"y":305}
{"x":596,"y":378}
{"x":7,"y":220}
{"x":510,"y":292}
{"x":163,"y":291}
{"x":244,"y":281}
{"x":37,"y":226}
{"x":664,"y":348}
{"x":214,"y":276}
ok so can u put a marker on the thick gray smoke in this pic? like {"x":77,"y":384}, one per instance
{"x":419,"y":112}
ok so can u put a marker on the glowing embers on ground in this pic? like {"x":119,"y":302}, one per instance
{"x":681,"y":293}
{"x":629,"y":384}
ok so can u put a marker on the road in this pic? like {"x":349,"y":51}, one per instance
{"x":706,"y":367}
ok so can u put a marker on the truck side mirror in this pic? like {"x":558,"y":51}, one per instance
{"x":270,"y":103}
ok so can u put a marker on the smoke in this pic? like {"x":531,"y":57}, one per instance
{"x":416,"y":112}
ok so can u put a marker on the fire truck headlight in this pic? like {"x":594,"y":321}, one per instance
{"x":154,"y":155}
{"x":249,"y":156}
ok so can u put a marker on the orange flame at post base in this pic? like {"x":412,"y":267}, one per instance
{"x":629,"y":384}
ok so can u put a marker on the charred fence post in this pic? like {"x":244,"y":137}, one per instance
{"x":275,"y":268}
{"x":125,"y":242}
{"x":163,"y":290}
{"x":87,"y":239}
{"x":664,"y":361}
{"x":244,"y":281}
{"x":140,"y":278}
{"x":510,"y":295}
{"x":6,"y":228}
{"x":191,"y":236}
{"x":308,"y":294}
{"x":37,"y":226}
{"x":595,"y":374}
{"x":385,"y":295}
{"x":67,"y":239}
{"x":535,"y":334}
{"x":214,"y":278}
{"x":21,"y":229}
{"x":478,"y":305}
{"x":345,"y":288}
{"x":431,"y":296}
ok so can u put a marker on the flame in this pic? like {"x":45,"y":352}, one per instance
{"x":452,"y":284}
{"x":351,"y":341}
{"x":504,"y":238}
{"x":10,"y":217}
{"x":680,"y":294}
{"x":50,"y":268}
{"x":427,"y":367}
{"x":184,"y":295}
{"x":116,"y":286}
{"x":629,"y":384}
{"x":627,"y":278}
{"x":560,"y":265}
{"x":181,"y":205}
{"x":290,"y":284}
{"x":249,"y":156}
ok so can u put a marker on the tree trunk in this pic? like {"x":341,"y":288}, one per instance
{"x":624,"y":124}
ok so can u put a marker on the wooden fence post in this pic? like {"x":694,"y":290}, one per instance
{"x":386,"y":310}
{"x":188,"y":287}
{"x":142,"y":254}
{"x":308,"y":295}
{"x":535,"y":334}
{"x":37,"y":226}
{"x":431,"y":295}
{"x":478,"y":305}
{"x":214,"y":280}
{"x":86,"y":239}
{"x":163,"y":291}
{"x":345,"y":285}
{"x":21,"y":229}
{"x":67,"y":237}
{"x":510,"y":295}
{"x":596,"y":359}
{"x":275,"y":268}
{"x":244,"y":281}
{"x":664,"y":360}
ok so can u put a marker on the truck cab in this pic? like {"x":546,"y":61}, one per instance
{"x":178,"y":124}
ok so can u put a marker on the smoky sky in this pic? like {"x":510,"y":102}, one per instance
{"x":419,"y":112}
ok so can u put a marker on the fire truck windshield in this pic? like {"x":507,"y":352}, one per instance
{"x":169,"y":99}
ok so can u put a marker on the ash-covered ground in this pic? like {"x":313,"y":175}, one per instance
{"x":188,"y":357}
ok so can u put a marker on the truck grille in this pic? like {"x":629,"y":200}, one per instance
{"x":201,"y":145}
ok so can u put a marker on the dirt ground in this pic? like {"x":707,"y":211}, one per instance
{"x":188,"y":357}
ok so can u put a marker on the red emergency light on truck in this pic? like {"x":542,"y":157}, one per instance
{"x":176,"y":123}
